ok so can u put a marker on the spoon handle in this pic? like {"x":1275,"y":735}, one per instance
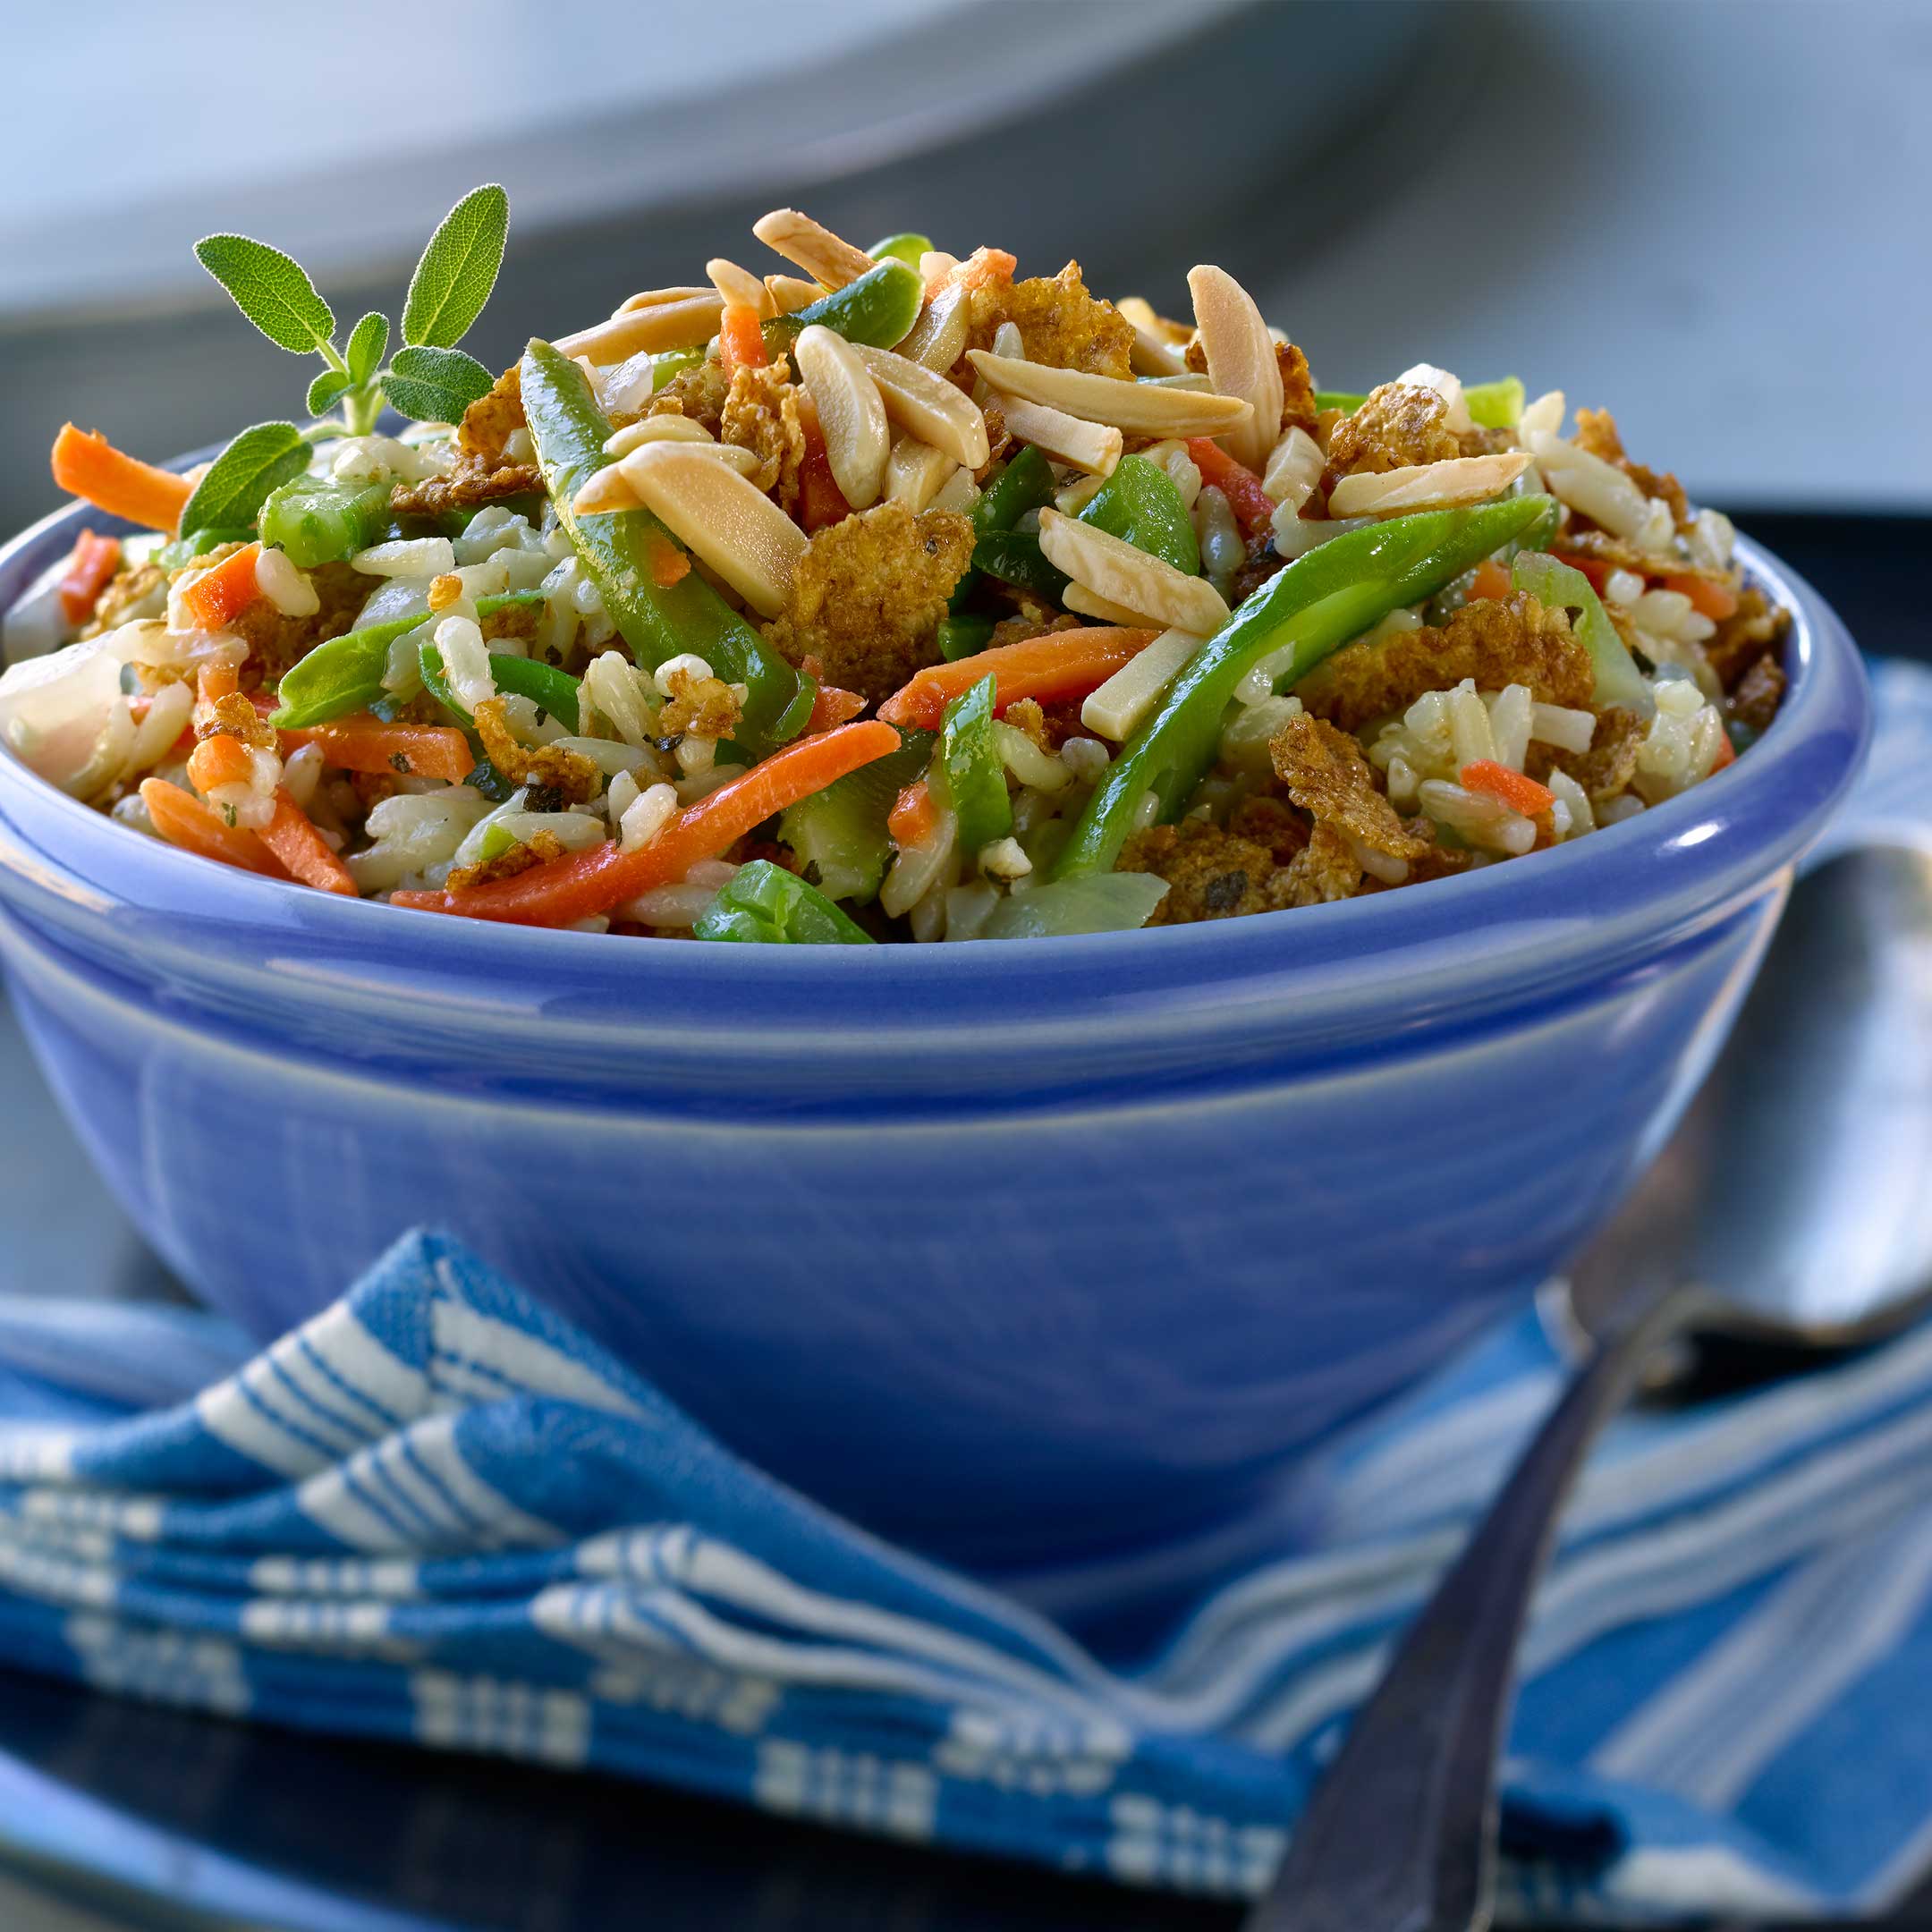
{"x":1401,"y":1834}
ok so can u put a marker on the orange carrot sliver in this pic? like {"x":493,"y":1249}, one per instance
{"x":1726,"y":754}
{"x":1253,"y":507}
{"x":1708,"y":597}
{"x":985,"y":264}
{"x":669,"y":564}
{"x":293,"y":840}
{"x":1491,"y":581}
{"x":219,"y":760}
{"x":833,"y":706}
{"x":1058,"y":663}
{"x":365,"y":744}
{"x":584,"y":884}
{"x":741,"y":339}
{"x":183,"y":820}
{"x":913,"y":814}
{"x":90,"y":571}
{"x":820,"y":501}
{"x":1595,"y":568}
{"x":216,"y":599}
{"x":1519,"y":793}
{"x":87,"y":464}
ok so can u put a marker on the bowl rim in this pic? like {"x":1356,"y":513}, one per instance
{"x":1587,"y":904}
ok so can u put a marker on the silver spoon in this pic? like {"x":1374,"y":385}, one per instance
{"x":1790,"y":1213}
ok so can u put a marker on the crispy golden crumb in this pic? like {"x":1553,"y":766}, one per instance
{"x":1298,"y":389}
{"x":233,"y":716}
{"x":1325,"y":773}
{"x":490,"y":422}
{"x":1266,"y":821}
{"x":1211,"y":874}
{"x":1741,"y":638}
{"x":540,"y":847}
{"x":572,"y":777}
{"x":869,"y":594}
{"x":274,"y":641}
{"x":1060,"y":323}
{"x":1399,"y":424}
{"x":703,"y":707}
{"x":1606,"y":770}
{"x":761,"y":414}
{"x":1327,"y":871}
{"x":474,"y":480}
{"x":699,"y":392}
{"x":126,"y":591}
{"x":1758,"y":694}
{"x":1497,"y":641}
{"x":1596,"y":431}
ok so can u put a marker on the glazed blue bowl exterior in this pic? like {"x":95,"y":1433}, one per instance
{"x":1011,"y":1252}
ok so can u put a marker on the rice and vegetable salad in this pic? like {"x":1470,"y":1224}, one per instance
{"x":887,"y":596}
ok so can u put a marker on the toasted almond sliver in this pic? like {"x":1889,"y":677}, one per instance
{"x":1154,"y":352}
{"x":1143,"y":315}
{"x":1114,"y":710}
{"x":915,"y":472}
{"x":679,"y":324}
{"x":852,"y":413}
{"x":740,"y":288}
{"x":1087,"y":603}
{"x":812,"y":247}
{"x":790,"y":293}
{"x":660,"y":297}
{"x":728,"y":522}
{"x":655,"y":430}
{"x":1141,"y":409}
{"x":1425,"y":486}
{"x":927,"y":404}
{"x":958,"y":493}
{"x":1295,"y":466}
{"x":1241,"y":358}
{"x":937,"y":340}
{"x":1121,"y":574}
{"x":608,"y":488}
{"x":1069,"y":439}
{"x":934,"y":266}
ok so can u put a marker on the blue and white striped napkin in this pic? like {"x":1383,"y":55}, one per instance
{"x":437,"y":1513}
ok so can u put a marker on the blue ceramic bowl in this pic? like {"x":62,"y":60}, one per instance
{"x":1008,"y":1251}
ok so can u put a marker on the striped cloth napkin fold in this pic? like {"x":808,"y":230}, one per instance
{"x":438,"y":1512}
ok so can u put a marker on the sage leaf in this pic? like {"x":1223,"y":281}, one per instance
{"x":368,"y":341}
{"x":435,"y":384}
{"x":270,"y":289}
{"x":258,"y":460}
{"x":325,"y":391}
{"x":457,"y":271}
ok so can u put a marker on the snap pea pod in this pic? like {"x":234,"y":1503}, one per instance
{"x":345,"y":674}
{"x":964,"y":637}
{"x":877,"y":309}
{"x":970,"y":760}
{"x":657,"y":622}
{"x":768,"y":906}
{"x":1492,"y":405}
{"x":313,"y":520}
{"x":1140,"y":504}
{"x":840,"y":833}
{"x":186,"y":549}
{"x":1557,"y":585}
{"x":906,"y":248}
{"x":554,"y":692}
{"x":485,"y":778}
{"x":1310,"y":610}
{"x":1026,"y":483}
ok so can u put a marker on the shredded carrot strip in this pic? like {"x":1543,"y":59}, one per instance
{"x":1519,"y":793}
{"x":1491,"y":581}
{"x":1708,"y":597}
{"x":833,"y":706}
{"x":1253,"y":507}
{"x":87,"y":464}
{"x":1726,"y":754}
{"x":1058,"y":663}
{"x":1595,"y":568}
{"x":90,"y":571}
{"x":293,"y":839}
{"x":183,"y":820}
{"x":216,"y":599}
{"x":583,"y":884}
{"x":985,"y":264}
{"x":820,"y":501}
{"x":219,"y":760}
{"x":215,"y":681}
{"x":668,"y":563}
{"x":365,"y":744}
{"x":741,"y":339}
{"x":913,"y":815}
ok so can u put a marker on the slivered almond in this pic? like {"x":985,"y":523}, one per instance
{"x":1153,"y":354}
{"x":928,"y":404}
{"x":937,"y":340}
{"x":915,"y":472}
{"x":655,"y":430}
{"x":1425,"y":485}
{"x":1077,"y":597}
{"x":812,"y":247}
{"x":934,"y":266}
{"x":1295,"y":466}
{"x":726,"y":522}
{"x":739,"y":287}
{"x":609,"y":488}
{"x":1143,"y":315}
{"x":1241,"y":358}
{"x":1069,"y":439}
{"x":679,"y":324}
{"x":660,"y":297}
{"x":852,"y":413}
{"x":1114,"y":710}
{"x":1129,"y":578}
{"x":958,"y":492}
{"x":1141,"y":409}
{"x":790,"y":293}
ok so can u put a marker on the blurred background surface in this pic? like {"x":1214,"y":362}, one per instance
{"x":1709,"y":214}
